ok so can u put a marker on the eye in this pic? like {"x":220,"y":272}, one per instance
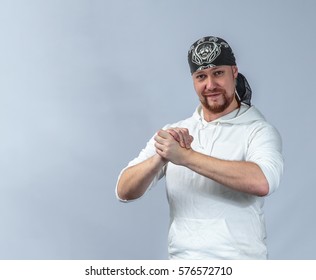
{"x":218,"y":73}
{"x":200,"y":76}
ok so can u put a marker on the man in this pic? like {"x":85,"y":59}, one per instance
{"x":219,"y":164}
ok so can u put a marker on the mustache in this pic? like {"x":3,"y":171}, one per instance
{"x":214,"y":91}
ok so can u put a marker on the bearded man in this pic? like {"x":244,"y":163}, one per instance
{"x":219,"y":164}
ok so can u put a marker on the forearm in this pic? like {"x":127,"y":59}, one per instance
{"x":135,"y":180}
{"x":239,"y":175}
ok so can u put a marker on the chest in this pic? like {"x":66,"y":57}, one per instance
{"x":226,"y":142}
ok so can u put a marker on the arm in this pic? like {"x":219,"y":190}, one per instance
{"x":135,"y":180}
{"x":239,"y":175}
{"x":242,"y":176}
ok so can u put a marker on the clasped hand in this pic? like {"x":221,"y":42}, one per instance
{"x":173,"y":144}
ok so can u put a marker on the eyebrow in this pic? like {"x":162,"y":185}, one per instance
{"x":212,"y":68}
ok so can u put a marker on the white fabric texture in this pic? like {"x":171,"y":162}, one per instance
{"x":209,"y":220}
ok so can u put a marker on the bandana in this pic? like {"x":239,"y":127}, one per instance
{"x":213,"y":51}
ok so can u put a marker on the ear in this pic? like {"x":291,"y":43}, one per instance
{"x":235,"y":71}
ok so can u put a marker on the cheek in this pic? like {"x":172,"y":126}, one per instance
{"x":197,"y":87}
{"x":230,"y":86}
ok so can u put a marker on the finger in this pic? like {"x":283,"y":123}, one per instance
{"x":159,"y":147}
{"x":174,"y":134}
{"x":181,"y":135}
{"x":187,"y":138}
{"x":158,"y":139}
{"x":163,"y":134}
{"x":158,"y":151}
{"x":181,"y":138}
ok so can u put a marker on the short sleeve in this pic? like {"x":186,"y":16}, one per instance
{"x":265,"y":149}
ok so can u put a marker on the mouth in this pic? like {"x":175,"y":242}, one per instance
{"x":212,"y":95}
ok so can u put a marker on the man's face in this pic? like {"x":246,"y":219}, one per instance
{"x":216,"y":88}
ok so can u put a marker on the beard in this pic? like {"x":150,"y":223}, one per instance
{"x":218,"y":107}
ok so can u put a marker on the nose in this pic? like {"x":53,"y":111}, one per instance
{"x":210,"y":83}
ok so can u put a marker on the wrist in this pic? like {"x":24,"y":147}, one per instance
{"x":188,"y":156}
{"x":159,"y":160}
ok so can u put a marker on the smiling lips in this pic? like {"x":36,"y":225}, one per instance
{"x":213,"y":95}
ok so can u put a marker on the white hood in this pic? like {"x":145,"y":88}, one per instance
{"x":243,"y":115}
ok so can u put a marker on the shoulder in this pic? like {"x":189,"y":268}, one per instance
{"x":263,"y":134}
{"x":259,"y":121}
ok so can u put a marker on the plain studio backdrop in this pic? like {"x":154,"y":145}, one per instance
{"x":84,"y":84}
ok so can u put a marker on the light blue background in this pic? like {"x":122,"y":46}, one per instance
{"x":84,"y":85}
